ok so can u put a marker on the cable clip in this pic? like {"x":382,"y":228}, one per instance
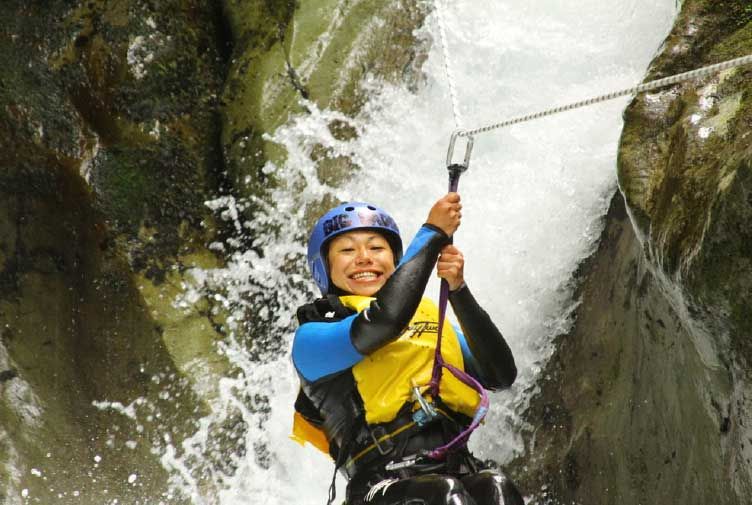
{"x":458,"y":168}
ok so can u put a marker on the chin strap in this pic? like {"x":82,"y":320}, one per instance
{"x":455,"y":170}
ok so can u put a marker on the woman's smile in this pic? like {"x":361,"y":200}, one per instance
{"x":360,"y":262}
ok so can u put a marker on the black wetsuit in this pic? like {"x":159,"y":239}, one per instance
{"x":324,"y":355}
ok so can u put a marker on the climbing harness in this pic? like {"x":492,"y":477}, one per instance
{"x":455,"y":170}
{"x":386,"y":440}
{"x":427,"y":412}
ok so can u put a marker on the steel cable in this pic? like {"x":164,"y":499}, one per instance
{"x":447,"y":65}
{"x":648,"y":86}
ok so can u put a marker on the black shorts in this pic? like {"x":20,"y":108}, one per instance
{"x":475,"y":483}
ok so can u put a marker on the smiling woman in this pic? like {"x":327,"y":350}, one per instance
{"x":360,"y":262}
{"x":363,"y":349}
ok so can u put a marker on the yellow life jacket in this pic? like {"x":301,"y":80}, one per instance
{"x":385,"y":378}
{"x":303,"y":431}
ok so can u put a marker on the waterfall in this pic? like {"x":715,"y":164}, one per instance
{"x":534,"y":199}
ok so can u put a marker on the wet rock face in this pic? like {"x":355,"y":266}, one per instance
{"x":630,"y":404}
{"x":647,"y":399}
{"x":289,"y":56}
{"x":108,"y":149}
{"x":685,"y":171}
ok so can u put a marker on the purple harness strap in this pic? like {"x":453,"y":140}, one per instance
{"x":439,"y":364}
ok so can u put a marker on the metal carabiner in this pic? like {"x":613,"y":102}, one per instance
{"x":468,"y":151}
{"x":427,"y":412}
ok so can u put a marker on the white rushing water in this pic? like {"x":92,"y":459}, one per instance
{"x":533,"y":200}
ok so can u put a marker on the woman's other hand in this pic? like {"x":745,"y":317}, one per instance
{"x":451,"y":266}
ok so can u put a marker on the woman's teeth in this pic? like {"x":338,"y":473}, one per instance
{"x":364,"y":276}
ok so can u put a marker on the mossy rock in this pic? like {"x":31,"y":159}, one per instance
{"x":74,"y":331}
{"x":316,"y":51}
{"x":111,"y":141}
{"x":645,"y":399}
{"x":683,"y":167}
{"x":109,"y":146}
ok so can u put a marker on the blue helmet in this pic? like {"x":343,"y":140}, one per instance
{"x":342,"y":219}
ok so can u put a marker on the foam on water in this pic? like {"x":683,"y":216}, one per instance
{"x":533,"y":203}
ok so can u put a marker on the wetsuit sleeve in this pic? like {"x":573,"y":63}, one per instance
{"x":322,"y":345}
{"x":491,"y":354}
{"x":396,"y":302}
{"x":320,"y":349}
{"x":471,"y":365}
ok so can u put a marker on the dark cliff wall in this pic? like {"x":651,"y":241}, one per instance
{"x":109,"y":144}
{"x":118,"y":121}
{"x":647,"y":399}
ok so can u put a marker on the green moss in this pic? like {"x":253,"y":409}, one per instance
{"x":123,"y":186}
{"x":671,"y":202}
{"x":737,"y":45}
{"x":189,"y":332}
{"x":151,"y":183}
{"x":146,"y":82}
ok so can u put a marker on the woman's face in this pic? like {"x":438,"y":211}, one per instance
{"x":360,"y":262}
